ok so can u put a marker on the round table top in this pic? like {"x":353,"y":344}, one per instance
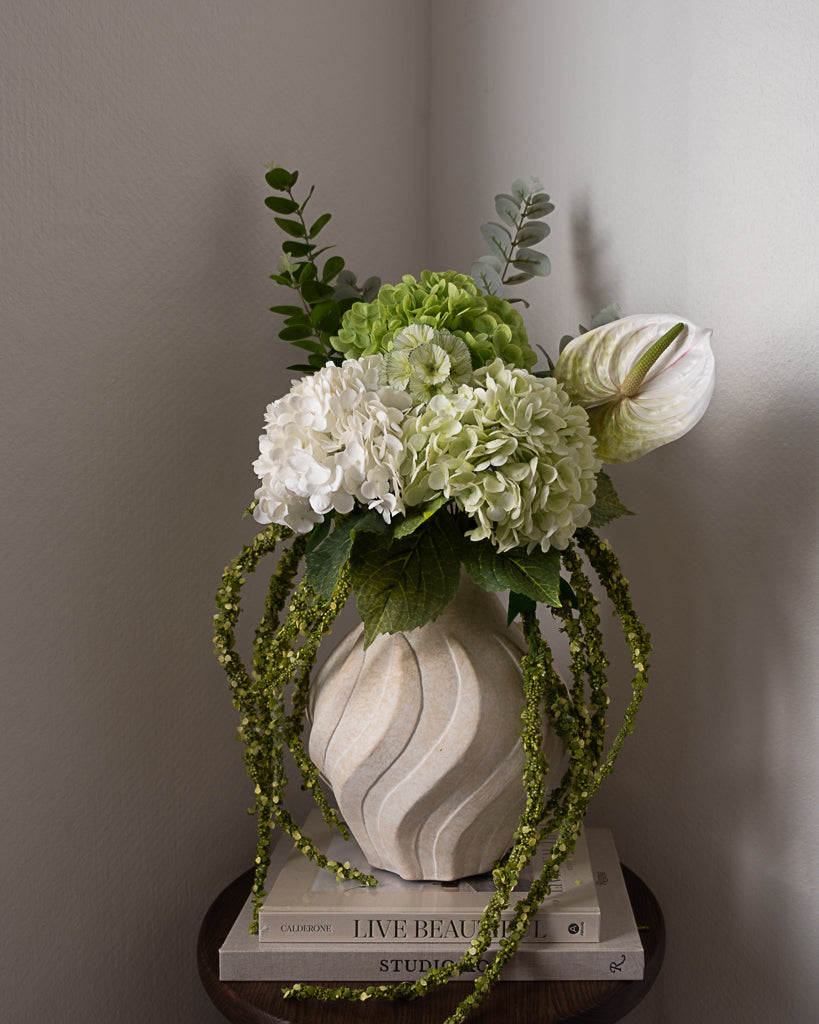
{"x":512,"y":1002}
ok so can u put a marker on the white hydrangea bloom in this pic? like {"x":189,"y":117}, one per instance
{"x":512,"y":451}
{"x":335,"y":439}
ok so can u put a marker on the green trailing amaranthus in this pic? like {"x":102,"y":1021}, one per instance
{"x":284,"y":653}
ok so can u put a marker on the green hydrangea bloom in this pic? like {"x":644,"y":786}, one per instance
{"x":447,"y":301}
{"x":511,"y":451}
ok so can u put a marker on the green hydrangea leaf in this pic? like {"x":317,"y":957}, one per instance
{"x":320,"y":532}
{"x":535,"y":575}
{"x":411,"y":522}
{"x":519,"y":603}
{"x":403,"y":583}
{"x":607,"y":506}
{"x":326,"y":560}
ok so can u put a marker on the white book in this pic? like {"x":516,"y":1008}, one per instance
{"x":617,"y":955}
{"x":308,"y":904}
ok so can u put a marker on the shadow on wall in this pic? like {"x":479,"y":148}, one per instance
{"x":718,"y":559}
{"x":596,"y":283}
{"x":726,"y":738}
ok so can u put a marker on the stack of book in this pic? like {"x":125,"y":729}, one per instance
{"x":315,"y":928}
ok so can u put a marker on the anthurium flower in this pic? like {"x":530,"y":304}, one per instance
{"x":644,"y":380}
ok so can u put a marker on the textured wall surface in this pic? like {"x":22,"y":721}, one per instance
{"x":679,"y":143}
{"x":138,"y":355}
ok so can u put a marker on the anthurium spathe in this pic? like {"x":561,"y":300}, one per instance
{"x":644,"y":380}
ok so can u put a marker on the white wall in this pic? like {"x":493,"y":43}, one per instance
{"x":679,"y":142}
{"x":138,"y":356}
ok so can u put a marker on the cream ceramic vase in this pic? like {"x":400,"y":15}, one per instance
{"x":419,"y":738}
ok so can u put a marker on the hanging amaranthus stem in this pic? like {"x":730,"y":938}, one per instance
{"x":580,"y":720}
{"x":283,"y":658}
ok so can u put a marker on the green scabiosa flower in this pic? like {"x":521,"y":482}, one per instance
{"x":511,"y":451}
{"x":448,"y":302}
{"x":427,"y":362}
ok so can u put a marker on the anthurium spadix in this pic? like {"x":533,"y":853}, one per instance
{"x":644,"y":381}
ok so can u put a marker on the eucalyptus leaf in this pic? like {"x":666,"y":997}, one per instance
{"x":491,"y":260}
{"x":403,"y":583}
{"x":533,"y":262}
{"x":536,"y":575}
{"x":540,"y":209}
{"x":498,"y":239}
{"x":532,"y":233}
{"x":606,"y":316}
{"x":607,"y":506}
{"x":508,"y":209}
{"x":487,"y":278}
{"x":518,"y":278}
{"x":520,"y":189}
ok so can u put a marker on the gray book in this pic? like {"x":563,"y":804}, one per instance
{"x":308,"y":904}
{"x":618,"y":953}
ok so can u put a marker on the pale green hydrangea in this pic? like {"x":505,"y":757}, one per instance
{"x":511,"y":450}
{"x":446,"y":301}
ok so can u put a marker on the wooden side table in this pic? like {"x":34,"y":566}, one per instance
{"x":510,"y":1002}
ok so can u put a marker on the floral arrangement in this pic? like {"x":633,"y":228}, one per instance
{"x":421,"y":442}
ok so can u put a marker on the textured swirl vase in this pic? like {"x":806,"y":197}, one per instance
{"x":419,"y":738}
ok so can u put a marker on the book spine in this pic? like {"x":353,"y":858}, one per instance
{"x":556,"y":926}
{"x":372,"y":966}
